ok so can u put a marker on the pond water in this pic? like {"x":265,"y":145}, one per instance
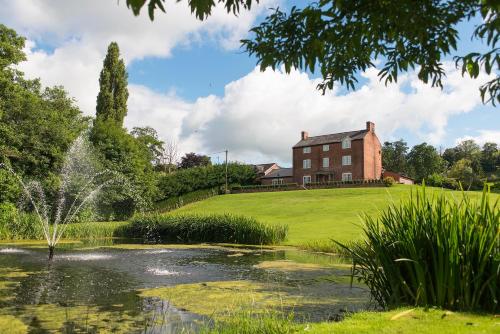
{"x":165,"y":289}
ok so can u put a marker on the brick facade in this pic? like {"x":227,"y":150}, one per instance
{"x":365,"y":153}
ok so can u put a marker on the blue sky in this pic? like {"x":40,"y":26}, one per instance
{"x":192,"y":82}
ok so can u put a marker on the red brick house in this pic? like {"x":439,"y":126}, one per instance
{"x":352,"y":155}
{"x":278,"y":176}
{"x":264,"y":169}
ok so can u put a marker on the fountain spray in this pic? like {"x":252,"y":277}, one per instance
{"x":80,"y":184}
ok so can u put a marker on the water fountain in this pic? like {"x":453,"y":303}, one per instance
{"x":80,"y":183}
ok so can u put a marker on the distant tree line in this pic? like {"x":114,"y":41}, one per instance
{"x":467,"y":163}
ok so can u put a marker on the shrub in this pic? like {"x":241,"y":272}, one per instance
{"x":450,"y":183}
{"x":8,"y":214}
{"x":18,"y":225}
{"x":389,"y":181}
{"x":94,"y":230}
{"x":176,"y":202}
{"x":184,"y":181}
{"x":440,"y":181}
{"x":267,"y":187}
{"x":434,"y":180}
{"x":197,"y":228}
{"x":495,"y":187}
{"x":432,"y":251}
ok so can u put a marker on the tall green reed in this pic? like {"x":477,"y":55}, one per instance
{"x":432,"y":250}
{"x":224,"y":228}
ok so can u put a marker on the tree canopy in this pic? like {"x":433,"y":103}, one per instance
{"x":394,"y":156}
{"x":127,"y":155}
{"x":190,"y":160}
{"x":113,"y":92}
{"x":29,"y":141}
{"x":424,"y":160}
{"x":344,"y":37}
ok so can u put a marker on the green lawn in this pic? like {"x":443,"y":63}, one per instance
{"x":312,"y":215}
{"x":399,"y":321}
{"x":412,"y":321}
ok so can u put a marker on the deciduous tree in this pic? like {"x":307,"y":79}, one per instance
{"x":490,"y":158}
{"x":191,"y":160}
{"x":424,"y":160}
{"x":394,"y":156}
{"x":37,"y":125}
{"x":148,"y":137}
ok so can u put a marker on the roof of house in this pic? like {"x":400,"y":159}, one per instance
{"x":265,"y":166}
{"x":281,"y":172}
{"x":331,"y":138}
{"x":398,"y":174}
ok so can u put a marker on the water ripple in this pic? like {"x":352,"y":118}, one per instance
{"x":162,"y":272}
{"x":158,"y":251}
{"x":12,"y":250}
{"x":85,"y":257}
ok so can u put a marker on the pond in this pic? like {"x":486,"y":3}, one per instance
{"x":123,"y":287}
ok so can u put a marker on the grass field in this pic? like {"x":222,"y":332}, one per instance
{"x":313,"y":215}
{"x":398,"y":321}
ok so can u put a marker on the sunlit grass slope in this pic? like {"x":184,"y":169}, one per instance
{"x":314,"y":214}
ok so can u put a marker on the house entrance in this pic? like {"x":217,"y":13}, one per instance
{"x":324,"y":177}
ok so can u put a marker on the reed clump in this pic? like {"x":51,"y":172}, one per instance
{"x":432,"y":250}
{"x":223,"y":228}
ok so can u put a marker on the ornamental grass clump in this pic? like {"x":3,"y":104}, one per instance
{"x":224,"y":228}
{"x":432,"y":250}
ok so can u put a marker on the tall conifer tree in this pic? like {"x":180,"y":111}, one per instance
{"x":113,"y":92}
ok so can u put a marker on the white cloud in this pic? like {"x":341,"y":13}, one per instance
{"x":79,"y":32}
{"x":261,"y":115}
{"x":484,"y":136}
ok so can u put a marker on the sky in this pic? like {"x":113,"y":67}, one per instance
{"x":191,"y":81}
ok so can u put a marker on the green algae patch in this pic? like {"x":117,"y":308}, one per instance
{"x":82,"y":319}
{"x":12,"y":325}
{"x":323,"y":259}
{"x":220,"y":298}
{"x":9,"y":279}
{"x":288,"y":265}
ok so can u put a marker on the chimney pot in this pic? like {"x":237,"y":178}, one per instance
{"x":370,"y":126}
{"x":304,"y":135}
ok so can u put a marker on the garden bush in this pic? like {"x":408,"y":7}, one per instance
{"x":173,"y":203}
{"x":432,"y":250}
{"x":389,"y":181}
{"x":434,"y":180}
{"x":16,"y":224}
{"x":184,"y":181}
{"x":495,"y":187}
{"x":200,"y":228}
{"x":440,"y":181}
{"x":8,"y":214}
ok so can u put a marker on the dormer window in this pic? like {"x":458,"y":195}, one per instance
{"x":346,"y":143}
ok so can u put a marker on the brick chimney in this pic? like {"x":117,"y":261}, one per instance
{"x":304,"y":135}
{"x":370,"y":126}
